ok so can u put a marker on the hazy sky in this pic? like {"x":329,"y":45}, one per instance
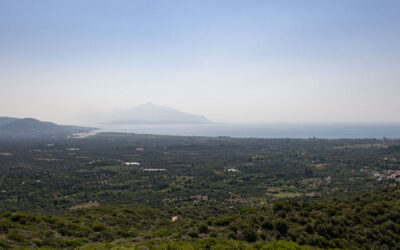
{"x":232,"y":61}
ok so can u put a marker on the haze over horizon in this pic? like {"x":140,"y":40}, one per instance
{"x":231,"y":61}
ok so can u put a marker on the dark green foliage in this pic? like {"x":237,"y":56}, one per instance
{"x":15,"y":236}
{"x":4,"y":245}
{"x":222,"y":221}
{"x":193,"y":233}
{"x":354,"y":223}
{"x":250,"y":235}
{"x":203,"y":228}
{"x":281,"y":226}
{"x":267,"y":225}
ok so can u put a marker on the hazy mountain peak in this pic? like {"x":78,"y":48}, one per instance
{"x":149,"y":104}
{"x":150,"y":113}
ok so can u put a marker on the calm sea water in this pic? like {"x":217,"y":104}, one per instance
{"x":331,"y":131}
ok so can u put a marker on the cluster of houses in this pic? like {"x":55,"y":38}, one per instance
{"x":388,"y":174}
{"x":138,"y":164}
{"x":153,"y":169}
{"x":134,"y":163}
{"x":312,"y":194}
{"x":73,"y":149}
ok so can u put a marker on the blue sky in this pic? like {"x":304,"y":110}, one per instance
{"x":233,"y":61}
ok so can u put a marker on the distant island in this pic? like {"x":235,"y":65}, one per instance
{"x":155,"y":114}
{"x":29,"y":127}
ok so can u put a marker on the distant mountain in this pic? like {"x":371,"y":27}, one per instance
{"x":29,"y":127}
{"x":155,"y":114}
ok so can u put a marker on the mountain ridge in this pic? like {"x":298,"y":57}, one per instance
{"x":6,"y":120}
{"x":149,"y":113}
{"x":30,"y":127}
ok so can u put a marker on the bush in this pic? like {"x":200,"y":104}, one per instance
{"x":127,"y":233}
{"x":267,"y":225}
{"x":283,"y":245}
{"x":203,"y":229}
{"x":250,"y":235}
{"x":193,"y":233}
{"x":213,"y":234}
{"x":98,"y":227}
{"x":107,"y":236}
{"x":4,"y":245}
{"x":232,"y":235}
{"x":279,"y":206}
{"x":223,"y":221}
{"x":20,"y":217}
{"x":15,"y":236}
{"x":162,"y":232}
{"x":309,"y":229}
{"x":4,"y":227}
{"x":281,"y":227}
{"x":38,"y":242}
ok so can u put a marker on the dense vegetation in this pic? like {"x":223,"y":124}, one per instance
{"x":166,"y":192}
{"x":366,"y":220}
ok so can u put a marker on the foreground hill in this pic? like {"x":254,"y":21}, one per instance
{"x":155,"y":114}
{"x":366,"y":220}
{"x":28,"y":127}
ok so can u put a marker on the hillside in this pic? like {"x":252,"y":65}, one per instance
{"x":155,"y":114}
{"x":29,"y":127}
{"x":366,"y":220}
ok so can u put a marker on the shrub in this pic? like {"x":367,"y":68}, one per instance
{"x":15,"y":236}
{"x":193,"y":233}
{"x":4,"y":245}
{"x":19,"y":217}
{"x":203,"y":229}
{"x":309,"y":229}
{"x":232,"y":235}
{"x":223,"y":221}
{"x":107,"y":236}
{"x":267,"y":225}
{"x":279,"y":206}
{"x":283,"y":245}
{"x":4,"y":227}
{"x":281,"y":227}
{"x":38,"y":242}
{"x":98,"y":227}
{"x":213,"y":234}
{"x":250,"y":235}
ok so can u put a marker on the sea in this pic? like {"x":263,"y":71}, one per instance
{"x":269,"y":130}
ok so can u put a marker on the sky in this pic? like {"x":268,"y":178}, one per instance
{"x":232,"y":61}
